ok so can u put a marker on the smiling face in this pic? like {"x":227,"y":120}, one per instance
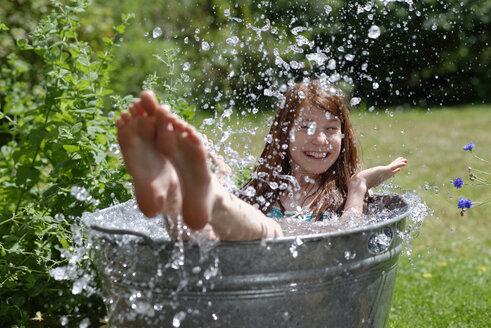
{"x":315,"y":142}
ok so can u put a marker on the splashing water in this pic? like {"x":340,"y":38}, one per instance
{"x":374,"y":32}
{"x":355,"y":101}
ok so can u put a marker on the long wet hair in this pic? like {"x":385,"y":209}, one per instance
{"x":273,"y":170}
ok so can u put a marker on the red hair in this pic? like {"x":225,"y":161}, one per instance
{"x":273,"y":169}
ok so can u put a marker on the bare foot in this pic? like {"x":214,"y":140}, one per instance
{"x":183,"y":146}
{"x":153,"y":175}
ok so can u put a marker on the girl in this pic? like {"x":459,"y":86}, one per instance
{"x":313,"y":141}
{"x":311,"y":163}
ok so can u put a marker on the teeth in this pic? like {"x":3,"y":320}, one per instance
{"x":316,"y":154}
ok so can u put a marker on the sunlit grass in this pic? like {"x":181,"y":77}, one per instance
{"x":448,"y":283}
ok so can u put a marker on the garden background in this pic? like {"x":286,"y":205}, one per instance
{"x":420,"y":89}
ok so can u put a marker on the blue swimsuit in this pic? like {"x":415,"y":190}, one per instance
{"x":277,"y":213}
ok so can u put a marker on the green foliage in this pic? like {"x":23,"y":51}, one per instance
{"x":57,"y":141}
{"x":56,"y":136}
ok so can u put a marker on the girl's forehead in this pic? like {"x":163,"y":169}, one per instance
{"x":315,"y":113}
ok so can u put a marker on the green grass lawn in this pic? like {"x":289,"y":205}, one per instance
{"x":446,"y":281}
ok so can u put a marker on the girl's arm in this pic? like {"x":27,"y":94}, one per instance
{"x":364,"y":180}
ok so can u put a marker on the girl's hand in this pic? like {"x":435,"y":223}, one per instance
{"x":362,"y":181}
{"x":374,"y":176}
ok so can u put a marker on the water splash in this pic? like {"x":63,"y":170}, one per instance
{"x":374,"y":32}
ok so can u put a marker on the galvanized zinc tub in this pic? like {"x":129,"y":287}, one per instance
{"x":336,"y":279}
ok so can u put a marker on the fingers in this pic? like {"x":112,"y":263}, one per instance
{"x":398,"y":162}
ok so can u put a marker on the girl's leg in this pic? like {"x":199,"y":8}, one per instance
{"x":204,"y":200}
{"x":154,"y":178}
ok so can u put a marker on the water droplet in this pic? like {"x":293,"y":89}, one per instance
{"x":208,"y":121}
{"x":156,"y":32}
{"x":331,"y":64}
{"x":176,"y":321}
{"x":301,"y":94}
{"x":84,"y":323}
{"x":349,"y":57}
{"x":349,"y":255}
{"x":186,"y":40}
{"x":249,"y":191}
{"x":327,"y":9}
{"x":186,"y":66}
{"x":80,"y":193}
{"x":59,"y":273}
{"x":433,"y":27}
{"x":319,"y":58}
{"x":375,"y":85}
{"x":63,"y":320}
{"x":226,"y":12}
{"x":59,"y":217}
{"x":355,"y":101}
{"x":374,"y":32}
{"x":312,"y":128}
{"x":293,"y":250}
{"x":114,"y":149}
{"x":233,"y":41}
{"x":111,"y":115}
{"x":301,"y":41}
{"x":205,"y":46}
{"x":334,"y":77}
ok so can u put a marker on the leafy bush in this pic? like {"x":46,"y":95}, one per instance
{"x":58,"y":146}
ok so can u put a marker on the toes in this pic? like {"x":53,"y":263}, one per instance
{"x":132,"y":109}
{"x":139,"y":108}
{"x":136,"y":109}
{"x":149,"y":102}
{"x":125,"y":116}
{"x":162,"y":115}
{"x":120,"y":122}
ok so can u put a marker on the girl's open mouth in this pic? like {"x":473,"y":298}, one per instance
{"x":316,"y":154}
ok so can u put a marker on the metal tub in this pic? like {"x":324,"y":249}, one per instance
{"x":336,"y":279}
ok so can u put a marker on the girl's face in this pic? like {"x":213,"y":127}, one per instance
{"x":317,"y":142}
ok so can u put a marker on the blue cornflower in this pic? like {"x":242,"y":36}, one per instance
{"x":464,"y":203}
{"x":469,"y":146}
{"x":458,"y":183}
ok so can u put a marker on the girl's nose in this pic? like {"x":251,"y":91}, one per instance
{"x":319,"y":138}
